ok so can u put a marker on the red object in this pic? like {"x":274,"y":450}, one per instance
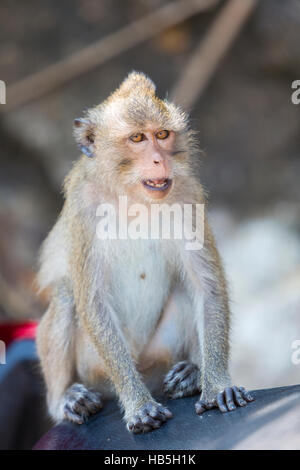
{"x":10,"y":332}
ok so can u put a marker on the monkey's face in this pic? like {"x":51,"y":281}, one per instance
{"x":150,"y":152}
{"x":138,"y":144}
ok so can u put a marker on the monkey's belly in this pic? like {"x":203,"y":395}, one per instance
{"x":140,"y":286}
{"x":175,"y":337}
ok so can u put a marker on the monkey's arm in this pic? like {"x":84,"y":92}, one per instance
{"x":142,"y":412}
{"x":206,"y":271}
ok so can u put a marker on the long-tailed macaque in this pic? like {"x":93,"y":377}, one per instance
{"x":125,"y":311}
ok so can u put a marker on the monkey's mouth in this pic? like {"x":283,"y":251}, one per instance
{"x":157,"y":184}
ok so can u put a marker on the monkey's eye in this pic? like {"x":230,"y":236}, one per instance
{"x":137,"y":137}
{"x":162,"y":134}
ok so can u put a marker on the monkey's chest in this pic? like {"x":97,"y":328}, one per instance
{"x":140,"y":284}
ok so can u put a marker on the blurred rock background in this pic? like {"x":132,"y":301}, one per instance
{"x":248,"y":129}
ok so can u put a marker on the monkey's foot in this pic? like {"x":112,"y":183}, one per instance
{"x":227,"y":400}
{"x":182,"y":380}
{"x":80,"y":403}
{"x":150,"y":416}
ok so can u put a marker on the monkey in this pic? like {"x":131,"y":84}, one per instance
{"x":124,"y":313}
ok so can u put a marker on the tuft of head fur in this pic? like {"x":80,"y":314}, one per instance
{"x":135,"y":81}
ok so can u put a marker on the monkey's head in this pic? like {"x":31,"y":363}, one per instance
{"x":138,"y":142}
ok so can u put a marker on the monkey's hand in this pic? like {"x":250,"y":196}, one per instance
{"x":227,"y":400}
{"x":149,"y":416}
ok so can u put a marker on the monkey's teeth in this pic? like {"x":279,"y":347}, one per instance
{"x":155,"y":185}
{"x":159,"y":185}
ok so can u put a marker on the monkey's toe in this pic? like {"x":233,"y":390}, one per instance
{"x":80,"y":403}
{"x":149,"y":417}
{"x":182,"y":380}
{"x":227,"y":400}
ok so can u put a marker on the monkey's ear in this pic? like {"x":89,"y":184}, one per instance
{"x":85,"y":136}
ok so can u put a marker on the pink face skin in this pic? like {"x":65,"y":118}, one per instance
{"x":152,"y":152}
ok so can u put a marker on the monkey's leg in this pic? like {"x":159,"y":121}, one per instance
{"x":182,"y":380}
{"x":206,"y":271}
{"x":55,"y":344}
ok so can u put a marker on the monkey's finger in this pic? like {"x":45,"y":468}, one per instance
{"x":175,"y":381}
{"x":94,"y":401}
{"x":201,"y":406}
{"x":135,"y":425}
{"x":178,"y":367}
{"x":87,"y":403}
{"x":186,"y":372}
{"x":162,"y":413}
{"x":221,"y":402}
{"x":167,"y":380}
{"x":147,"y":428}
{"x":70,"y":415}
{"x":151,"y":422}
{"x":228,"y":392}
{"x":171,"y":381}
{"x":83,"y":406}
{"x":248,"y":397}
{"x":142,"y":428}
{"x":77,"y":408}
{"x":157,"y":414}
{"x":136,"y":430}
{"x":172,"y":377}
{"x":93,"y":407}
{"x":95,"y":397}
{"x":238,"y":397}
{"x":138,"y":425}
{"x":166,"y":412}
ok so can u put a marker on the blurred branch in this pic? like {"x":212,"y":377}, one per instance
{"x":96,"y":54}
{"x":211,"y":50}
{"x":16,"y":304}
{"x":12,"y":143}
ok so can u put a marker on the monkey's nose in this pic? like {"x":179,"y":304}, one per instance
{"x":157,"y":158}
